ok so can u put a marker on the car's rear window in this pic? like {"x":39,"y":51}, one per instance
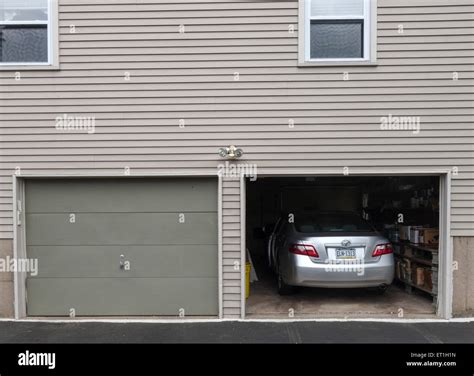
{"x":332,"y":223}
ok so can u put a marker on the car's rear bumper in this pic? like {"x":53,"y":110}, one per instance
{"x":301,"y":271}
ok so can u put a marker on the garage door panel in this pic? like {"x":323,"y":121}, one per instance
{"x":119,"y":296}
{"x":145,"y":261}
{"x":114,"y":228}
{"x":165,"y":228}
{"x":121,"y":195}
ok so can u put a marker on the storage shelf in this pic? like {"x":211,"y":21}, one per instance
{"x":415,"y":259}
{"x":417,"y":246}
{"x":417,"y":287}
{"x":419,"y":261}
{"x":409,"y":209}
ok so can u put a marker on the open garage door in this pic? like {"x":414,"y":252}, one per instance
{"x":337,"y":247}
{"x":122,"y":246}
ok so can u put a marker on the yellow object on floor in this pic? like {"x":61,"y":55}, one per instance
{"x":248,"y":267}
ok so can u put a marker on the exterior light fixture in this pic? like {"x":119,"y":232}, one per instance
{"x":230,"y":152}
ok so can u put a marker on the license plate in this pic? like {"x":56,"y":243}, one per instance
{"x":346,"y":253}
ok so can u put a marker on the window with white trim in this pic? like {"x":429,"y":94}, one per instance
{"x":26,"y":32}
{"x":339,"y":31}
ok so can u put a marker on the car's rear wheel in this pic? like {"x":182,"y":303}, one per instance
{"x":283,"y":288}
{"x":382,"y":289}
{"x":379,"y":290}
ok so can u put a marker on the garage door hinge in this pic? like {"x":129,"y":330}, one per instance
{"x":19,"y":211}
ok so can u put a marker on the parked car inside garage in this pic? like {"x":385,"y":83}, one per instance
{"x":331,"y":250}
{"x":331,"y":245}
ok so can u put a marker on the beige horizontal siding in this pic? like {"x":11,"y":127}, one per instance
{"x":459,"y":100}
{"x":190,"y":76}
{"x":223,"y":78}
{"x":231,"y":251}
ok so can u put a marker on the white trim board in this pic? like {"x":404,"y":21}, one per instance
{"x":19,"y":243}
{"x":445,"y":280}
{"x":220,"y":249}
{"x":53,"y":42}
{"x":370,"y":19}
{"x":243,"y":249}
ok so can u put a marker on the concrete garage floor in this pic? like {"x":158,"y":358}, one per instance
{"x":264,"y":302}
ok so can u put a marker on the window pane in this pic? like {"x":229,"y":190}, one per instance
{"x":328,"y":222}
{"x":24,"y":44}
{"x":23,"y":10}
{"x":337,"y":39}
{"x":337,"y":8}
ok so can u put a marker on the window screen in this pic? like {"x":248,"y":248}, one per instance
{"x":332,"y":222}
{"x":337,"y":39}
{"x":23,"y":43}
{"x":24,"y":31}
{"x":337,"y":29}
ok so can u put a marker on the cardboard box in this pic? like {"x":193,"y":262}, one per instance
{"x":415,"y":234}
{"x":420,"y":276}
{"x":398,"y":271}
{"x":405,"y":270}
{"x":430,"y":236}
{"x":428,"y":279}
{"x":404,"y":233}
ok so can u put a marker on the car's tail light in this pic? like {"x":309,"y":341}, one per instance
{"x":382,"y":249}
{"x":304,"y":249}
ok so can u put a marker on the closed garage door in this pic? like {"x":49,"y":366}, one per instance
{"x":122,"y":246}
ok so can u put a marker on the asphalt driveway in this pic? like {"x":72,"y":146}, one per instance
{"x":236,"y":332}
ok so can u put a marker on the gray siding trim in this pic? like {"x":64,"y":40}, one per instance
{"x":232,"y":249}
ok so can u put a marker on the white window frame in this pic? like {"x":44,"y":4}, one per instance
{"x":369,"y":38}
{"x":53,"y":42}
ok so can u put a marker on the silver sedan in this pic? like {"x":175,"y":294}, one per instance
{"x":329,"y":249}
